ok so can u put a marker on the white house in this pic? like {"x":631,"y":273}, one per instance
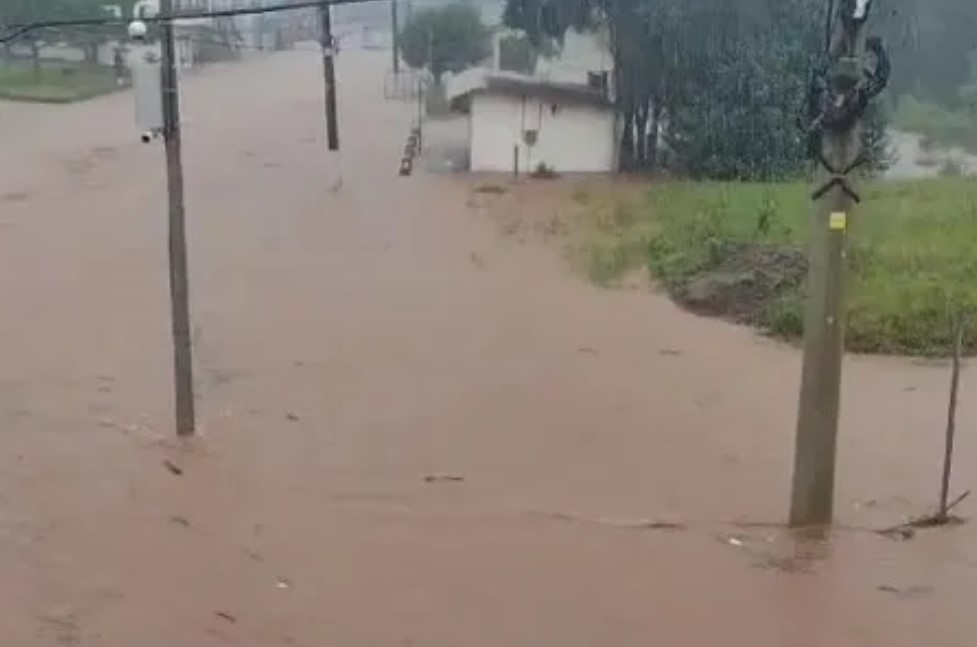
{"x":523,"y":124}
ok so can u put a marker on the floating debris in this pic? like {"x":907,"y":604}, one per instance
{"x":443,"y":478}
{"x":173,"y":467}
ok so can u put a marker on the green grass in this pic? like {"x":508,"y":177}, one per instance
{"x":913,"y":251}
{"x":54,"y":82}
{"x":938,"y":125}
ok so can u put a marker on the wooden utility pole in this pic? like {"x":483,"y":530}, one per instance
{"x":179,"y":277}
{"x":812,"y":499}
{"x":395,"y":27}
{"x":420,"y":113}
{"x":329,"y":74}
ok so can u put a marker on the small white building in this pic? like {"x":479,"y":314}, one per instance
{"x":525,"y":124}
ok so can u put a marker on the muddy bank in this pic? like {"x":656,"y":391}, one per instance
{"x":743,"y":283}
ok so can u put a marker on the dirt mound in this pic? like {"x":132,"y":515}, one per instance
{"x":743,"y":282}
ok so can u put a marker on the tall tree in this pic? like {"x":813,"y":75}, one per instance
{"x":451,"y":38}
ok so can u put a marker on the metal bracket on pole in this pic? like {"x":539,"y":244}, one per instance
{"x":839,"y":178}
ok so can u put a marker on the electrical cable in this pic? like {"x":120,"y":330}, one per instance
{"x":19,"y":29}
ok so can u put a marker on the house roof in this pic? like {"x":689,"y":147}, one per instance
{"x":521,"y":85}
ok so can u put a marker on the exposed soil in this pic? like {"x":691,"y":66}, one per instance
{"x":743,"y":283}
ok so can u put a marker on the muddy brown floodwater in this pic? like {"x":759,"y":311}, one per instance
{"x":416,"y":431}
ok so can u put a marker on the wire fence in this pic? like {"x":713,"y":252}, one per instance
{"x":14,"y":30}
{"x":202,"y":36}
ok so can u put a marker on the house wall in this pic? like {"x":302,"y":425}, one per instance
{"x":576,"y":138}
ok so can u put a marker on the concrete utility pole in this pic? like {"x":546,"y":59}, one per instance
{"x":329,"y":74}
{"x":812,"y":499}
{"x":179,"y":280}
{"x":395,"y":27}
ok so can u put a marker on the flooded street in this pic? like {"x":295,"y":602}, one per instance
{"x":416,"y":431}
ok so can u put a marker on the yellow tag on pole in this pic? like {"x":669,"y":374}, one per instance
{"x":838,"y":221}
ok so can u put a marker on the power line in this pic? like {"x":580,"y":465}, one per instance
{"x":20,"y":29}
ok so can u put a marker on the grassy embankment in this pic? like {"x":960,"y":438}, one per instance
{"x":54,"y":82}
{"x":738,"y":251}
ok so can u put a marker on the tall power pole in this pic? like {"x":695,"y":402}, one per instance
{"x":179,"y":279}
{"x":329,"y":74}
{"x":395,"y":31}
{"x":845,"y":92}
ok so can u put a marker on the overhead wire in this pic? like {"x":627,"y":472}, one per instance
{"x":20,"y":29}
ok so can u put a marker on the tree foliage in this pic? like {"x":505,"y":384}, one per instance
{"x":451,"y":38}
{"x":719,"y":82}
{"x":20,"y":12}
{"x":517,"y":54}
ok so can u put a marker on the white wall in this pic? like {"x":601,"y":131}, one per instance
{"x":575,"y":139}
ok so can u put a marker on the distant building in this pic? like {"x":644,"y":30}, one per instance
{"x":558,"y":114}
{"x":526,"y":124}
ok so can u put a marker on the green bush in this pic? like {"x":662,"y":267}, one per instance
{"x":448,"y":38}
{"x":517,"y":54}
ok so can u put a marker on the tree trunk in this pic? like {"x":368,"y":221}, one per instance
{"x":626,"y":153}
{"x":36,"y":59}
{"x":654,"y":130}
{"x":640,"y":135}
